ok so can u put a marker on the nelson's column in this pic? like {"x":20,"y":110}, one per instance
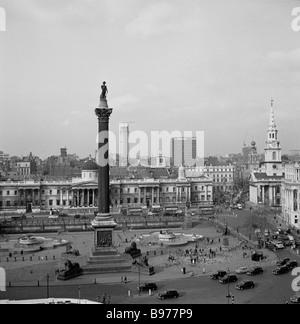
{"x":104,"y":258}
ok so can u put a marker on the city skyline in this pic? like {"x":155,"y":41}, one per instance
{"x":210,"y":67}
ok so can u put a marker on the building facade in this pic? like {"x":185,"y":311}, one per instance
{"x":291,"y":195}
{"x":265,"y":183}
{"x":83,"y":192}
{"x":184,"y":151}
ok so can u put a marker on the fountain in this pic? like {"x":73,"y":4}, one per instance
{"x":31,"y":244}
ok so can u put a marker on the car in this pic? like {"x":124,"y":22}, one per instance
{"x":255,"y":271}
{"x":283,"y":262}
{"x":292,"y":264}
{"x":63,"y":215}
{"x":245,"y":285}
{"x":241,"y":270}
{"x":77,"y":216}
{"x":228,"y":279}
{"x":219,"y":274}
{"x":168,"y":294}
{"x":147,"y":286}
{"x":281,"y":270}
{"x":16,"y":218}
{"x":295,"y":299}
{"x":240,"y":206}
{"x":53,"y":217}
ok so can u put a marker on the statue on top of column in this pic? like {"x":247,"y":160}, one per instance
{"x":104,"y":91}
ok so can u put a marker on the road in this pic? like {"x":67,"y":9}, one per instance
{"x":270,"y":289}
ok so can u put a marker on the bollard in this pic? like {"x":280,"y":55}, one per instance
{"x":53,"y":257}
{"x":15,"y":259}
{"x":9,"y":284}
{"x":46,"y":257}
{"x":23,"y":259}
{"x":38,"y":283}
{"x":31,"y":258}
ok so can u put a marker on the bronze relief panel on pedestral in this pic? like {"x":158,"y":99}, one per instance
{"x":104,"y":239}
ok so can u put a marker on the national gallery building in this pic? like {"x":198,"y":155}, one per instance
{"x":138,"y":187}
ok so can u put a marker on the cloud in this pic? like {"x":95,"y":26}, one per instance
{"x":285,"y":60}
{"x":160,"y":18}
{"x":122,"y":101}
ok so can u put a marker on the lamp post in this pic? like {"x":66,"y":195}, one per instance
{"x":228,"y":292}
{"x":139,"y":278}
{"x":47,"y":277}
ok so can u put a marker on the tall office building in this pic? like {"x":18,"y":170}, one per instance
{"x":184,"y":151}
{"x":124,"y":144}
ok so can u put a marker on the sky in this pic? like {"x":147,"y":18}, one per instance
{"x":186,"y":65}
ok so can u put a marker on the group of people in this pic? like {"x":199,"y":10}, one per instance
{"x":104,"y":300}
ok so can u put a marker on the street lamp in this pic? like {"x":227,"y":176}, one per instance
{"x":139,"y":278}
{"x":47,"y":277}
{"x":228,"y":292}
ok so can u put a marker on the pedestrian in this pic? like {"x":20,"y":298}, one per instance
{"x":108,"y":300}
{"x":104,"y":298}
{"x":125,"y":280}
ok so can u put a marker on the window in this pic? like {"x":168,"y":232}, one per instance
{"x":7,"y":193}
{"x":0,"y":193}
{"x":58,"y":192}
{"x":50,"y":192}
{"x":16,"y":192}
{"x":57,"y":202}
{"x":50,"y":202}
{"x":196,"y":188}
{"x":128,"y":200}
{"x":43,"y":192}
{"x":135,"y":200}
{"x":128,"y":190}
{"x":8,"y":203}
{"x":167,"y":189}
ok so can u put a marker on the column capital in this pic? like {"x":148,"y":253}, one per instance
{"x":103,"y":114}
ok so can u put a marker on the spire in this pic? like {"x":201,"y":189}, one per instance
{"x":272,"y":124}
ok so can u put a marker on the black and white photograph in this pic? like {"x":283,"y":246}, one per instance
{"x":149,"y":154}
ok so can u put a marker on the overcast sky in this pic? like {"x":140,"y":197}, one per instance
{"x":200,"y":65}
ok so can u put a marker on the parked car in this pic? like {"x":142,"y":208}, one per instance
{"x":281,"y":270}
{"x":278,"y":245}
{"x":295,"y":299}
{"x":292,"y":264}
{"x":255,"y":271}
{"x":241,"y":270}
{"x":147,"y":286}
{"x":219,"y":274}
{"x":245,"y":285}
{"x":228,"y":279}
{"x":168,"y":294}
{"x":283,"y":262}
{"x":63,"y":215}
{"x":16,"y":218}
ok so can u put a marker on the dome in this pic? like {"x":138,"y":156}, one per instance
{"x":90,"y":165}
{"x":253,"y":143}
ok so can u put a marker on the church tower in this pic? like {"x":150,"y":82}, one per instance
{"x":273,"y":162}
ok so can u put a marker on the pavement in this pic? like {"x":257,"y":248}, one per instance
{"x":33,"y":273}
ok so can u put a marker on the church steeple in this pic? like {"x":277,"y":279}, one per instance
{"x":272,"y":124}
{"x":273,"y":163}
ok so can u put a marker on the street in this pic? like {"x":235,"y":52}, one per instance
{"x":270,"y":289}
